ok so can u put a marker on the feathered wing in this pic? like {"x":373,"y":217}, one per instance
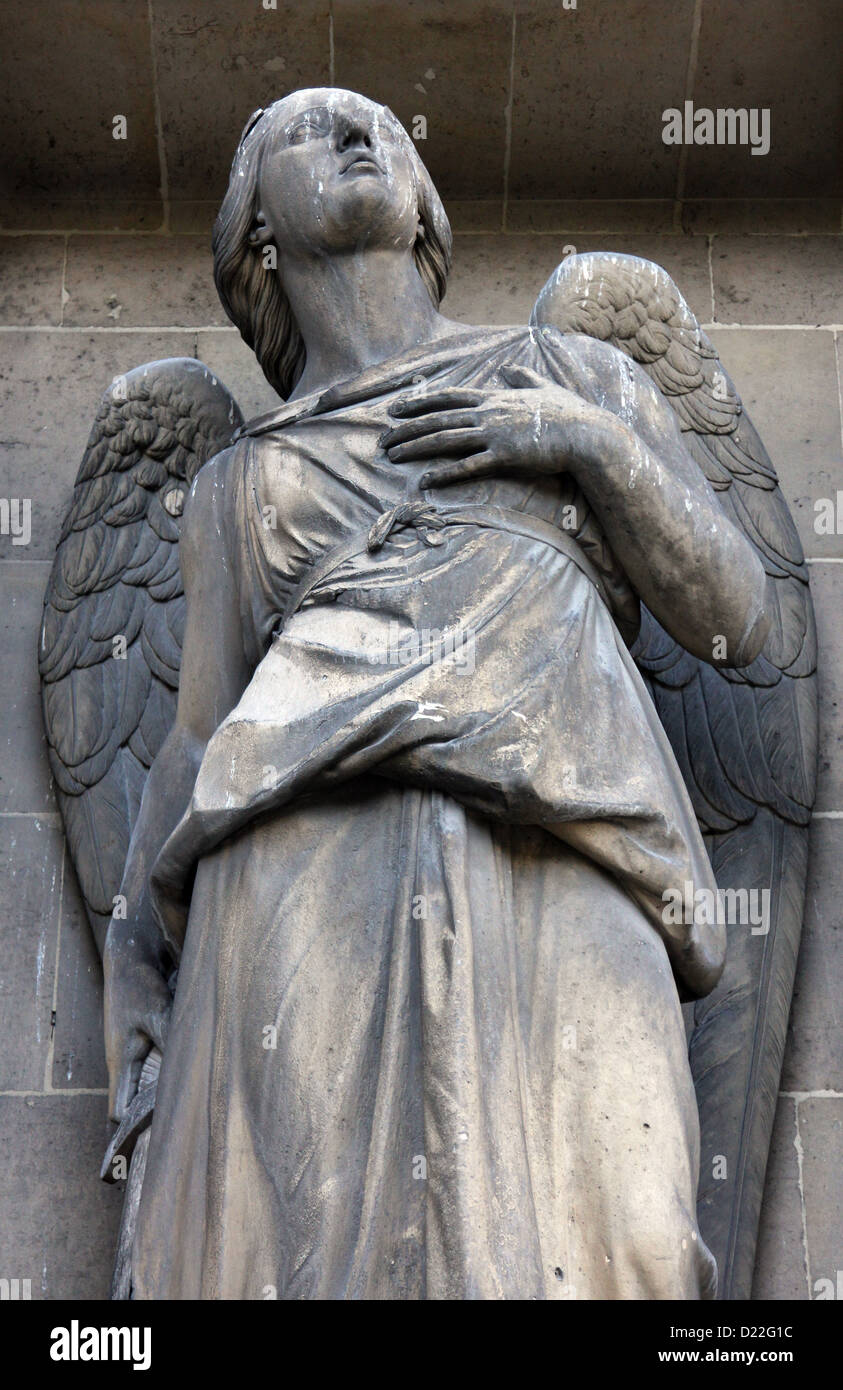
{"x":111,"y":636}
{"x":746,"y":740}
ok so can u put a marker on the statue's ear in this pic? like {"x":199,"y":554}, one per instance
{"x":260,"y":235}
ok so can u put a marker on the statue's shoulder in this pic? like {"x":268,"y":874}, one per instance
{"x":578,"y":349}
{"x":213,"y":496}
{"x":251,"y":464}
{"x":269,"y":471}
{"x":216,"y":477}
{"x":587,"y":365}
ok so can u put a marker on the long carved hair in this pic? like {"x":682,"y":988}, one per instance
{"x":254,"y":300}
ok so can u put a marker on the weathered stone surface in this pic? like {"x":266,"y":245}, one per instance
{"x":25,"y":781}
{"x":593,"y":80}
{"x":73,"y":73}
{"x":568,"y":140}
{"x":51,"y":1148}
{"x":774,"y":54}
{"x":31,"y":853}
{"x":778,"y":279}
{"x":224,"y":351}
{"x":821,"y":1128}
{"x":477,"y":1260}
{"x":496,"y":279}
{"x":475,"y":214}
{"x":827,"y":588}
{"x":216,"y":64}
{"x":421,"y":59}
{"x":78,"y":1050}
{"x":813,"y":1059}
{"x":30,"y":213}
{"x":567,"y":216}
{"x":50,"y":387}
{"x":749,"y":216}
{"x":788,"y":383}
{"x":780,"y":1262}
{"x":685,"y":258}
{"x":155,"y":281}
{"x":194,"y":217}
{"x":30,"y":279}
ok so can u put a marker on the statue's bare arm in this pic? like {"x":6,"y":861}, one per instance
{"x":213,"y":676}
{"x":697,"y":573}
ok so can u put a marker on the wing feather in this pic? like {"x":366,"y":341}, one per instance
{"x":111,"y":635}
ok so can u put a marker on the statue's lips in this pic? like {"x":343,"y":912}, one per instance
{"x":365,"y":162}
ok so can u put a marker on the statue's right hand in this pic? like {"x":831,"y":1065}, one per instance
{"x":137,"y":1015}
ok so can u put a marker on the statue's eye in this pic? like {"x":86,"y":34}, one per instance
{"x":308,"y":129}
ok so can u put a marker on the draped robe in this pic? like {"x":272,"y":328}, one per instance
{"x":427,"y":1039}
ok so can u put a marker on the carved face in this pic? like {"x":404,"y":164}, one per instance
{"x":336,"y":174}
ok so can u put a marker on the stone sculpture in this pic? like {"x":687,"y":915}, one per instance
{"x":495,"y":655}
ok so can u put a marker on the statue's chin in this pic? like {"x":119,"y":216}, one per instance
{"x":365,"y":212}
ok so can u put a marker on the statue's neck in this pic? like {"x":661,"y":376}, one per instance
{"x":355,"y":310}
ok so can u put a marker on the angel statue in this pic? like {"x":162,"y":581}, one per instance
{"x":402,"y":736}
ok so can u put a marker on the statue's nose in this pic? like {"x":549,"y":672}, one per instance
{"x":353,"y":131}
